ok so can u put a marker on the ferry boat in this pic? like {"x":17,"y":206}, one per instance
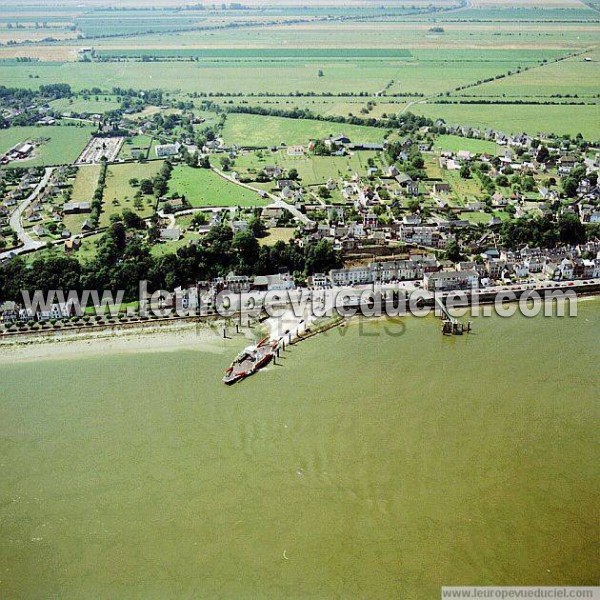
{"x":249,"y":361}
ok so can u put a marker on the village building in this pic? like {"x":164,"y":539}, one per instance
{"x":444,"y":281}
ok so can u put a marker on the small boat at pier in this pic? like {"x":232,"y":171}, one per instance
{"x":249,"y":361}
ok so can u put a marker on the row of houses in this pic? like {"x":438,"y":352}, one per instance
{"x":11,"y":312}
{"x":427,"y":269}
{"x":435,"y":274}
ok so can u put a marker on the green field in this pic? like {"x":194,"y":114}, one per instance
{"x":85,"y":183}
{"x":84,"y":186}
{"x":118,"y":194}
{"x":259,"y":131}
{"x":569,"y":77}
{"x":531,"y":119}
{"x":62,"y":144}
{"x":261,"y":53}
{"x":137,"y":142}
{"x":581,"y":13}
{"x":83,"y":105}
{"x":324,"y":105}
{"x":455,"y":143}
{"x":343,"y":75}
{"x":390,"y":33}
{"x":216,"y":77}
{"x":278,"y":234}
{"x":313,"y":170}
{"x":203,"y":187}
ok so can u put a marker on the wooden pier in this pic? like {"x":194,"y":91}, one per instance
{"x":450,"y":325}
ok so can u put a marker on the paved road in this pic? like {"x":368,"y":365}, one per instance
{"x":277,"y":201}
{"x":28,"y":243}
{"x":280,"y":203}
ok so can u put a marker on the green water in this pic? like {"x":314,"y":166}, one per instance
{"x":366,"y":466}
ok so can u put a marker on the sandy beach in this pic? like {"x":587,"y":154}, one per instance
{"x":175,"y":337}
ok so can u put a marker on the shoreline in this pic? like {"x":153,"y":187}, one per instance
{"x":191,"y":337}
{"x":178,"y":335}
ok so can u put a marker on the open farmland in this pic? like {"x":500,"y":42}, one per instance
{"x":425,"y":73}
{"x":389,"y":33}
{"x":58,"y":145}
{"x":571,"y":77}
{"x":519,"y":118}
{"x":203,"y":187}
{"x":85,"y":105}
{"x":324,"y":105}
{"x":222,"y":76}
{"x":525,"y":13}
{"x":258,"y":131}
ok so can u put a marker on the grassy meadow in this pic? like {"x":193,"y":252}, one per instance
{"x":84,"y":186}
{"x":454,"y":143}
{"x":570,"y":77}
{"x":432,"y":73}
{"x":140,"y":143}
{"x":119,"y":194}
{"x":259,"y":131}
{"x":203,"y":187}
{"x":60,"y":144}
{"x":312,"y":170}
{"x":519,"y":118}
{"x":85,"y":105}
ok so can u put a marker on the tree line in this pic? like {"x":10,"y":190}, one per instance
{"x":406,"y":122}
{"x":124,"y":259}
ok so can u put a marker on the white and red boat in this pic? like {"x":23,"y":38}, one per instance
{"x":249,"y":361}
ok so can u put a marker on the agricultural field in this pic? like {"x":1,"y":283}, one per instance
{"x":454,"y":143}
{"x":259,"y":131}
{"x":390,"y":33}
{"x":260,"y":53}
{"x":215,"y":77}
{"x":85,"y":105}
{"x":324,"y":105}
{"x":512,"y":14}
{"x":203,"y":187}
{"x":532,"y":119}
{"x":284,"y":76}
{"x":570,"y":77}
{"x":34,"y":35}
{"x":58,"y":145}
{"x":119,"y":193}
{"x":434,"y":77}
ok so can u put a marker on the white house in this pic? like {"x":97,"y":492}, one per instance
{"x":167,"y":150}
{"x":450,"y":280}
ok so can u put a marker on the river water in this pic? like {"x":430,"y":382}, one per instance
{"x":364,"y":465}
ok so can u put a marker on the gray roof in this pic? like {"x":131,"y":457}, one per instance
{"x":442,"y":275}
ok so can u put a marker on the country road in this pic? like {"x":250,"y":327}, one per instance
{"x":27,"y":243}
{"x":277,"y":201}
